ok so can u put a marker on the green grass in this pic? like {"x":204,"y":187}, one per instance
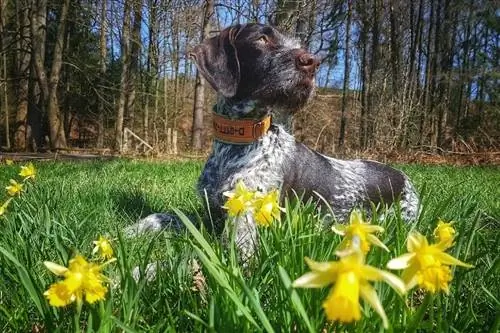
{"x":71,"y":204}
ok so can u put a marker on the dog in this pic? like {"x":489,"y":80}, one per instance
{"x":262,"y":78}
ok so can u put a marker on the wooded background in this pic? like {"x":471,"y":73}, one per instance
{"x":395,"y":74}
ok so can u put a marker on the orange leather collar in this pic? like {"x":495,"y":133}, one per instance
{"x":239,"y":131}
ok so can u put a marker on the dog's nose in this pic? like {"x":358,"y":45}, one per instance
{"x":306,"y":62}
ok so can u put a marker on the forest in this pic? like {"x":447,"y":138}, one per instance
{"x":115,"y":75}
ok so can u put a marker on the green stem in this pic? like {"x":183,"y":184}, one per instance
{"x":439,"y":312}
{"x":77,"y":316}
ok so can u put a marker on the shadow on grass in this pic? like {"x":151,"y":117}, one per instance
{"x":133,"y":205}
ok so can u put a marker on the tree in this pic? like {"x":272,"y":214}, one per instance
{"x":199,"y":88}
{"x":135,"y":52}
{"x":103,"y":51}
{"x":151,"y":82}
{"x":49,"y":85}
{"x":4,"y":85}
{"x":22,"y":68}
{"x":124,"y":77}
{"x":347,"y":70}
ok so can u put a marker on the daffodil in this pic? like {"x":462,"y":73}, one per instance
{"x":9,"y":162}
{"x":359,"y":230}
{"x":351,"y":277}
{"x":426,"y":265}
{"x":4,"y":206}
{"x":444,"y":233}
{"x":81,"y":279}
{"x":266,"y":208}
{"x":238,"y":200}
{"x":27,"y":171}
{"x":103,"y":247}
{"x":14,"y":188}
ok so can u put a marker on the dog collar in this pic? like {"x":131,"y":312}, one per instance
{"x":239,"y":131}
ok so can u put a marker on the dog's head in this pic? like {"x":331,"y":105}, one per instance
{"x":256,"y":62}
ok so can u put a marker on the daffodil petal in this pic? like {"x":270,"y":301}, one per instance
{"x":377,"y":242}
{"x":409,"y":272}
{"x":370,"y":228}
{"x":447,"y":259}
{"x":444,"y":244}
{"x":395,"y":282}
{"x":415,"y":240}
{"x":329,"y":266}
{"x":107,"y":262}
{"x":370,"y":296}
{"x":401,"y":262}
{"x":356,"y":217}
{"x":411,"y":281}
{"x":374,"y":274}
{"x":351,"y":256}
{"x":55,"y":268}
{"x":339,"y":229}
{"x":343,"y":244}
{"x":314,"y":280}
{"x":228,"y":194}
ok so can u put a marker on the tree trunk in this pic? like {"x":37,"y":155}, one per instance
{"x":49,"y":86}
{"x":395,"y":70}
{"x":56,"y":119}
{"x":38,"y":92}
{"x":5,"y":97}
{"x":151,"y":67}
{"x":102,"y":71}
{"x":176,"y":43}
{"x":286,"y":14}
{"x":22,"y":70}
{"x":347,"y":69}
{"x":372,"y":93}
{"x":435,"y":78}
{"x":135,"y":51}
{"x":125,"y":58}
{"x":363,"y":45}
{"x":428,"y":78}
{"x":199,"y":88}
{"x":444,"y":83}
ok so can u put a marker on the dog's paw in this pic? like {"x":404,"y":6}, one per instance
{"x":149,"y":272}
{"x":154,"y":223}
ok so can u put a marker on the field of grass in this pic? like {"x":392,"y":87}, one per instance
{"x":70,"y":204}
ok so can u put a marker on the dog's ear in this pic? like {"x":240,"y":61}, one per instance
{"x":217,"y":60}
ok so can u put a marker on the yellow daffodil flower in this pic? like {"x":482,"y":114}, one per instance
{"x":28,"y":171}
{"x":363,"y":231}
{"x":426,"y":265}
{"x":267,"y":209}
{"x":81,"y":278}
{"x":238,"y":200}
{"x":4,"y":206}
{"x":444,"y":233}
{"x":103,"y":247}
{"x":14,"y":188}
{"x":350,"y":276}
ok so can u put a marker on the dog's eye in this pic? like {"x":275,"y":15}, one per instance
{"x":263,"y":40}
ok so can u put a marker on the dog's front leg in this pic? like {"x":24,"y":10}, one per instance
{"x":245,"y":236}
{"x":154,"y":223}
